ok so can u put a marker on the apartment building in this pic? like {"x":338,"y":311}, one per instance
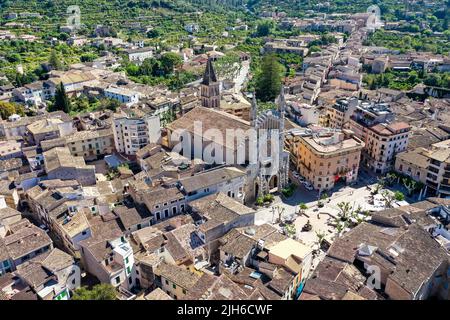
{"x":339,"y":113}
{"x":70,"y":226}
{"x":63,"y":211}
{"x":367,"y":114}
{"x":430,"y":166}
{"x":164,"y":203}
{"x":326,"y":157}
{"x":132,"y":134}
{"x":91,"y":143}
{"x":373,"y":124}
{"x":413,"y":163}
{"x":33,"y":93}
{"x":438,"y":176}
{"x":383,"y":142}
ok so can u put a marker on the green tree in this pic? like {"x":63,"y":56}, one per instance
{"x":303,"y":207}
{"x":153,"y":33}
{"x":13,"y":57}
{"x":98,"y":292}
{"x":88,"y":57}
{"x":169,"y":61}
{"x":390,"y":178}
{"x":399,"y":196}
{"x":7,"y":109}
{"x":432,"y":80}
{"x":54,"y":61}
{"x":410,"y":185}
{"x":228,"y":66}
{"x":314,"y":49}
{"x":447,"y":34}
{"x":263,"y":29}
{"x":63,"y":36}
{"x":320,"y":238}
{"x":345,"y":210}
{"x":147,"y":67}
{"x":112,"y":104}
{"x":62,"y":102}
{"x":132,"y":69}
{"x":390,"y":197}
{"x":268,"y":81}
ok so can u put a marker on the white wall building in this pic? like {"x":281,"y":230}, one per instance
{"x":131,"y":134}
{"x":122,"y":95}
{"x":115,"y":265}
{"x":229,"y":180}
{"x":140,"y":54}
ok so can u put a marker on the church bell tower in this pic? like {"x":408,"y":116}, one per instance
{"x":209,"y":89}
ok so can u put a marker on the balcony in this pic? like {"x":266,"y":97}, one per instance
{"x":433,"y":170}
{"x":431,"y":184}
{"x":435,"y":163}
{"x":113,"y":268}
{"x":444,"y":189}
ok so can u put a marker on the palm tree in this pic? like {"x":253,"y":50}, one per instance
{"x":303,"y":208}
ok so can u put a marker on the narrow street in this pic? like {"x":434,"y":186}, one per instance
{"x":242,"y":77}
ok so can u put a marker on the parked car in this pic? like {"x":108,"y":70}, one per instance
{"x":309,"y":187}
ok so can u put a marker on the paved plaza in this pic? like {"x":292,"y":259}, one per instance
{"x":357,"y":195}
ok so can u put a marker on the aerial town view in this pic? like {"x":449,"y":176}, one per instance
{"x":224,"y":150}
